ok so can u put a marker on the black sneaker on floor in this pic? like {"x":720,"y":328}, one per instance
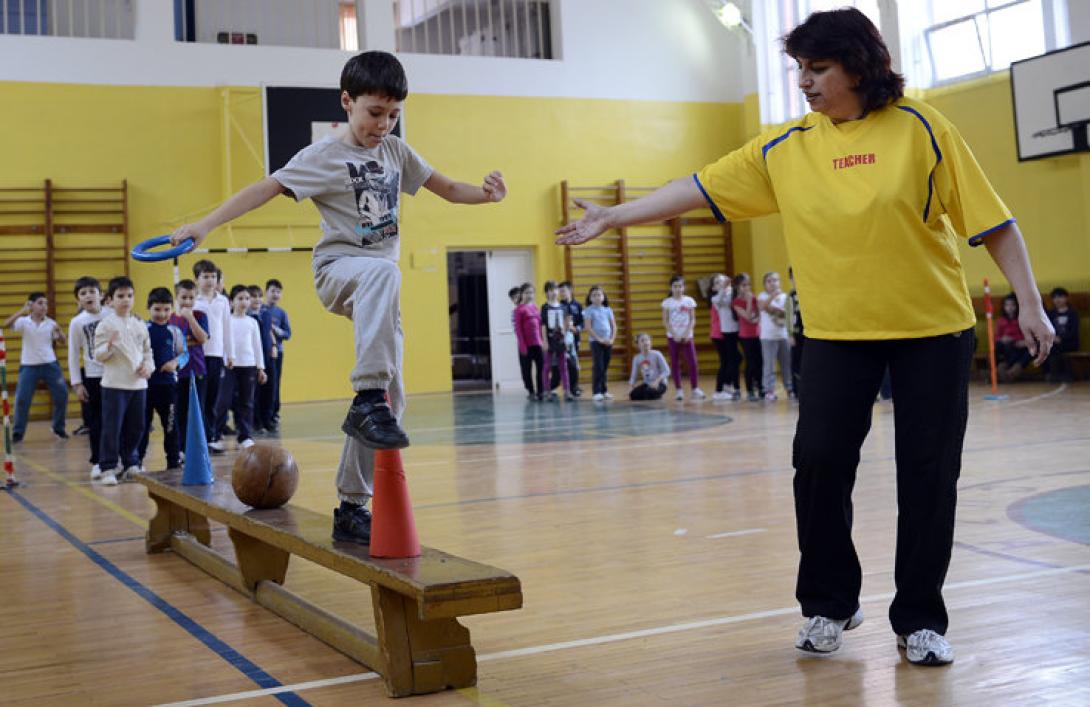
{"x":373,"y":425}
{"x":60,"y":434}
{"x":352,"y":525}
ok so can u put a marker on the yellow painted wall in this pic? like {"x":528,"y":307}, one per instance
{"x":170,"y":142}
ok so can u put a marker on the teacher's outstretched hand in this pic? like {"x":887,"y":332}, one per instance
{"x":666,"y":202}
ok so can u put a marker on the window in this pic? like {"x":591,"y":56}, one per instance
{"x":509,"y":28}
{"x":101,"y":19}
{"x":350,"y":38}
{"x":973,"y":37}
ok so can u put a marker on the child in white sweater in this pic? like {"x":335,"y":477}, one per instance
{"x":248,"y":370}
{"x":123,"y":347}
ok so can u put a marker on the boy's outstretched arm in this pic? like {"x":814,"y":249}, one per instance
{"x":492,"y":189}
{"x":243,"y":202}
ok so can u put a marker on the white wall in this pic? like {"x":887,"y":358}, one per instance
{"x":619,"y":49}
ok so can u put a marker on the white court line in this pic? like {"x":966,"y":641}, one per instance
{"x":628,"y":635}
{"x":1035,"y":398}
{"x":735,"y":533}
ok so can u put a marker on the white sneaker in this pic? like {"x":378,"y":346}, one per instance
{"x":607,"y":396}
{"x":925,"y":647}
{"x":216,"y":446}
{"x":109,"y":478}
{"x":721,"y":395}
{"x":246,"y":444}
{"x":823,"y":635}
{"x":598,"y":397}
{"x":130,"y":471}
{"x":698,"y":394}
{"x":96,"y":472}
{"x":680,"y":395}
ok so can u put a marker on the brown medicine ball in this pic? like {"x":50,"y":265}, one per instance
{"x":265,"y":476}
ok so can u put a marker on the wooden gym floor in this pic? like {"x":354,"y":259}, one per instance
{"x":655,"y":544}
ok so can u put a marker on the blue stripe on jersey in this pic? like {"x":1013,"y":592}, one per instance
{"x":938,"y":158}
{"x":769,"y":145}
{"x":979,"y":238}
{"x":715,"y":209}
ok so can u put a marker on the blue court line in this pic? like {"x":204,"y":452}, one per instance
{"x":236,"y":659}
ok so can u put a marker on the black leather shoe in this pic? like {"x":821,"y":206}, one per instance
{"x":353,"y":525}
{"x":372,"y":424}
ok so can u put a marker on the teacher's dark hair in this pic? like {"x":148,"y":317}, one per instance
{"x":849,"y":38}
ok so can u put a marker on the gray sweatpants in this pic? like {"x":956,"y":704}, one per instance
{"x":773,"y":350}
{"x":367,"y":291}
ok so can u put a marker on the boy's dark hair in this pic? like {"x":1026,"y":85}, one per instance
{"x":605,"y":297}
{"x":160,"y":295}
{"x":86,"y":281}
{"x":516,"y":290}
{"x":255,"y":290}
{"x":376,"y":73}
{"x":237,"y":289}
{"x":185,"y":285}
{"x":549,"y":286}
{"x":1058,"y":292}
{"x":565,"y":283}
{"x":202,"y":266}
{"x":119,"y":283}
{"x":847,"y":37}
{"x":273,"y":282}
{"x":34,"y":296}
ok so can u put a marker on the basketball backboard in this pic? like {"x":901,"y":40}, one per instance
{"x":1051,"y":96}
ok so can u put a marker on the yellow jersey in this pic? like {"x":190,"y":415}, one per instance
{"x":872,"y":209}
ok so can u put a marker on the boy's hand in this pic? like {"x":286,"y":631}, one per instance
{"x":275,"y":353}
{"x":190,"y":230}
{"x":261,"y":377}
{"x":81,"y":392}
{"x":143,"y":371}
{"x":494,"y":187}
{"x":170,"y":366}
{"x":113,"y":339}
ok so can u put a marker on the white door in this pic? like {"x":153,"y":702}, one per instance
{"x":505,"y":269}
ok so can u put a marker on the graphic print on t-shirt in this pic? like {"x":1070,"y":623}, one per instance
{"x":376,"y":191}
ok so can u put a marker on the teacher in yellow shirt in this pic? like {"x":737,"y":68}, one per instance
{"x":875,"y":190}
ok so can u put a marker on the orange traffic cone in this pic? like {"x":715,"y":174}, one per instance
{"x":393,"y":530}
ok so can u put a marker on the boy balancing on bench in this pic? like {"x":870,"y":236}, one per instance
{"x":355,"y":183}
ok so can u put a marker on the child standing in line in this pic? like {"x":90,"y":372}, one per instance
{"x":1065,"y":320}
{"x":264,"y":327}
{"x":575,"y":328}
{"x":679,"y":319}
{"x":528,"y":328}
{"x":84,"y":371}
{"x":649,"y":372}
{"x":217,"y":347}
{"x":194,"y":327}
{"x":725,"y":323}
{"x":274,"y":367}
{"x":515,"y":294}
{"x":772,"y":304}
{"x":555,"y":320}
{"x":355,"y":181}
{"x":249,"y":364}
{"x":167,"y":344}
{"x":37,"y":362}
{"x":602,"y":328}
{"x":123,"y":347}
{"x":749,"y":329}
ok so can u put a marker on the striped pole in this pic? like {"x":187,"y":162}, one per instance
{"x":9,"y":458}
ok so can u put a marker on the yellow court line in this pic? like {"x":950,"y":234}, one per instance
{"x":474,"y":694}
{"x":83,"y":490}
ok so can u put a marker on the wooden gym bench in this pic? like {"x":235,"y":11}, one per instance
{"x":420,"y":647}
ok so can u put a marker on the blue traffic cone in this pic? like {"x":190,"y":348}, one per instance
{"x":198,"y":466}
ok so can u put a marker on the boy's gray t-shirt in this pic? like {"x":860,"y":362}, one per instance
{"x":356,"y":190}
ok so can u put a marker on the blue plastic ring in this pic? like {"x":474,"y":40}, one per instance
{"x":142,"y":251}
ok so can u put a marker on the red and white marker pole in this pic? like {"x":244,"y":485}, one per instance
{"x":9,"y":458}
